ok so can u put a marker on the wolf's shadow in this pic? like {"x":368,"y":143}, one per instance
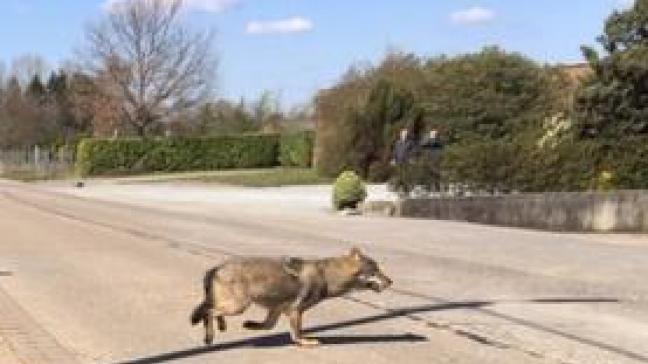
{"x":283,"y":339}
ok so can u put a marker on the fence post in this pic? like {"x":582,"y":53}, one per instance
{"x":37,"y":156}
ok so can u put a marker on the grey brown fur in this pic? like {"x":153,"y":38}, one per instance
{"x":283,"y":286}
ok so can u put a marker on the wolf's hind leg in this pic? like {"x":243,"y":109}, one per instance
{"x":208,"y":322}
{"x":231,"y":308}
{"x":296,"y":325}
{"x":269,"y":323}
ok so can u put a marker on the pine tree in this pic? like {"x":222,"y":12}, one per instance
{"x":36,"y":90}
{"x":614,"y":102}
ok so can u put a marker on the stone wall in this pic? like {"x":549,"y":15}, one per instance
{"x":620,"y":211}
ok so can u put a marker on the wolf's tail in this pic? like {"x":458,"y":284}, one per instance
{"x":201,"y":311}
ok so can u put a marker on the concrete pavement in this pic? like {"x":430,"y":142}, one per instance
{"x":113,"y":280}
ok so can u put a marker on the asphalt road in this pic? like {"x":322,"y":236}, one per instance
{"x":100,"y":280}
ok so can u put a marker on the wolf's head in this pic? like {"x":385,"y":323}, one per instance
{"x":368,"y":270}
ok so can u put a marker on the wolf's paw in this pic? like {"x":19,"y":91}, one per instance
{"x":308,"y":343}
{"x":209,"y":340}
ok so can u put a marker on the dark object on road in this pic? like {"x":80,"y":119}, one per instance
{"x":79,"y":184}
{"x":287,"y":286}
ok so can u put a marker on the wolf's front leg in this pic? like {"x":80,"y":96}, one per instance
{"x":296,"y":325}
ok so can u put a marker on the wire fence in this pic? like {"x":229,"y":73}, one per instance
{"x":37,"y":160}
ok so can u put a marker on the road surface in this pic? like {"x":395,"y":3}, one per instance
{"x":95,"y":276}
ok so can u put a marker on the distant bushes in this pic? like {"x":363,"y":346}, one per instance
{"x":130,"y":156}
{"x":573,"y":165}
{"x":490,"y":95}
{"x":296,"y":149}
{"x":126,"y":156}
{"x":627,"y":162}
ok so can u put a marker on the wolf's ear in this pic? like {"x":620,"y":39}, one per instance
{"x":355,"y":253}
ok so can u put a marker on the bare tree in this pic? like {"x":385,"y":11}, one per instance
{"x":150,"y":61}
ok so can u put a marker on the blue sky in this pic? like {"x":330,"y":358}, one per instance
{"x":295,"y":47}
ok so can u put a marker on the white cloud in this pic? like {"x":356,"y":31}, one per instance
{"x":283,"y":26}
{"x":212,"y":6}
{"x":474,"y":15}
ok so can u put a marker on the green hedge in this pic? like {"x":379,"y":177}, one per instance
{"x":628,"y":162}
{"x":523,"y":166}
{"x":296,"y":149}
{"x":127,"y":156}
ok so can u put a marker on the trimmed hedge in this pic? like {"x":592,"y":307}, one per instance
{"x":516,"y":165}
{"x":127,"y":156}
{"x":296,"y":150}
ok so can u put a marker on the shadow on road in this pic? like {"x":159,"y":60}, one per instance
{"x":574,"y":300}
{"x":283,"y":339}
{"x":271,"y":341}
{"x":279,"y":340}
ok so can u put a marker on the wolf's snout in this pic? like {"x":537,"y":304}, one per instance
{"x":385,"y":282}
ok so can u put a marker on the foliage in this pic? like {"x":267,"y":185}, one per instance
{"x":627,"y":162}
{"x":223,"y":118}
{"x":296,"y":149}
{"x":524,"y":166}
{"x":423,"y":172}
{"x":348,"y":191}
{"x":340,"y":120}
{"x":128,"y":156}
{"x":488,"y":165}
{"x":489,"y":95}
{"x":376,"y":126}
{"x":25,"y":116}
{"x":614,"y":101}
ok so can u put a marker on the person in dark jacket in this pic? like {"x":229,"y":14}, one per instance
{"x":403,"y":149}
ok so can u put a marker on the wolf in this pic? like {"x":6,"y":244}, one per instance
{"x":287,"y":286}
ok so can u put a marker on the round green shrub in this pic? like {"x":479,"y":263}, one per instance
{"x":348,"y":191}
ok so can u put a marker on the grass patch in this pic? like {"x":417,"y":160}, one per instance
{"x":274,"y":177}
{"x":28,"y":175}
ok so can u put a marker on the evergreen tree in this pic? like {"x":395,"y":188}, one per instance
{"x":614,"y":101}
{"x":35,"y":89}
